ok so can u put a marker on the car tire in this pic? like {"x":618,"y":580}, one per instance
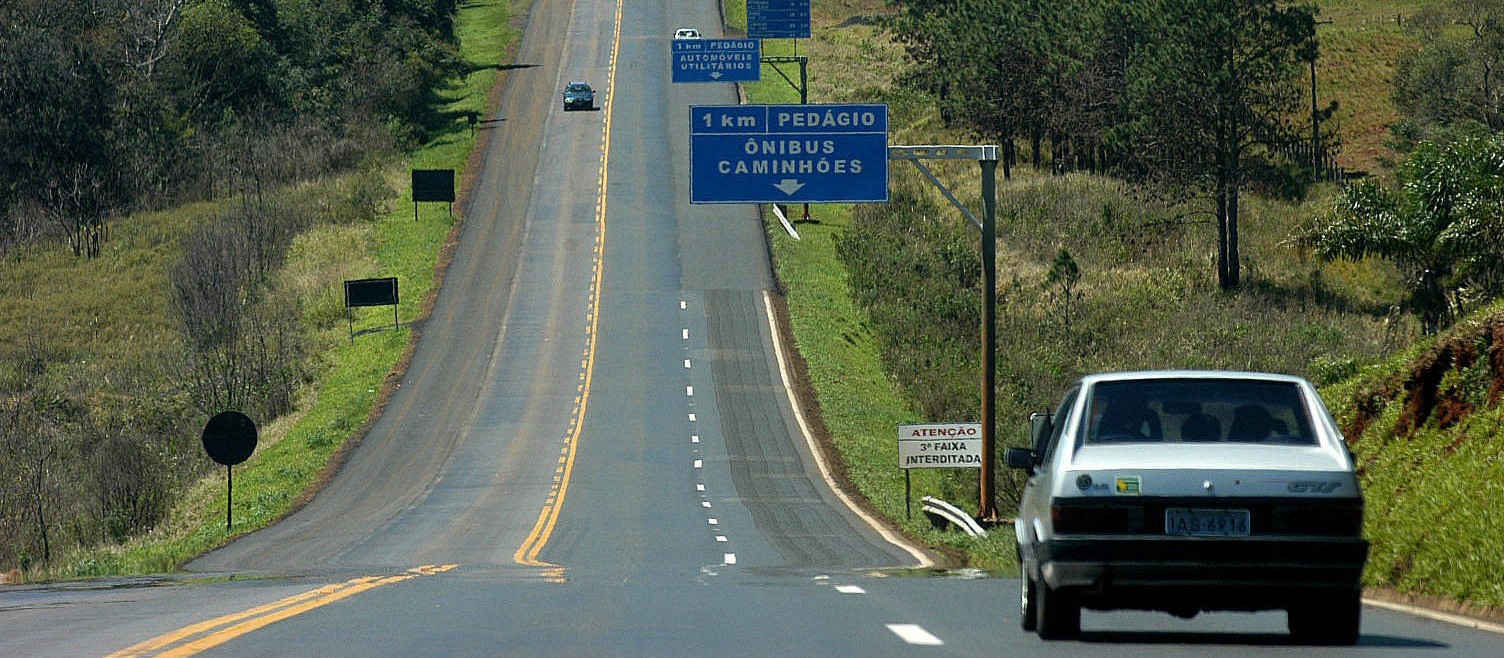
{"x":1330,"y":619}
{"x":1059,"y":613}
{"x":1028,"y":602}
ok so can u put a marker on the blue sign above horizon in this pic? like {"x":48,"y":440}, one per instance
{"x":788,"y":153}
{"x":717,"y":60}
{"x":778,"y":19}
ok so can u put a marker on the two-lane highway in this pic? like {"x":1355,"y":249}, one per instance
{"x":594,"y":451}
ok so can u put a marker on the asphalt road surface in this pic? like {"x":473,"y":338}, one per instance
{"x":593,"y":452}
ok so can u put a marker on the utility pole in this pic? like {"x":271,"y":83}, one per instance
{"x":987,"y":157}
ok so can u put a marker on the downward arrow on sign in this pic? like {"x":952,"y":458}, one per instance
{"x":716,"y":75}
{"x":789,"y":186}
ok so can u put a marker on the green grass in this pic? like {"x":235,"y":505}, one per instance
{"x":859,"y":406}
{"x":1432,"y":491}
{"x":1164,"y":300}
{"x":1359,"y":50}
{"x":295,"y":451}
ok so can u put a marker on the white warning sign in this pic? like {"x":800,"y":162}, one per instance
{"x":940,"y":445}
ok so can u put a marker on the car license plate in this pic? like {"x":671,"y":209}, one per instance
{"x":1206,"y":522}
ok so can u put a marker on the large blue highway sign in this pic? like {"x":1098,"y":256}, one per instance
{"x":717,"y":60}
{"x":788,"y":153}
{"x":778,"y":19}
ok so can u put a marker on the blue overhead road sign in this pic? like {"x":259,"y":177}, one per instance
{"x":717,"y":60}
{"x":778,"y":19}
{"x":788,"y":153}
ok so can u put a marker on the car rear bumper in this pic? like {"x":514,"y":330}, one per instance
{"x":1259,"y":572}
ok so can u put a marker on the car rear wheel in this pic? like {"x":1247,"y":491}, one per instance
{"x":1059,"y":613}
{"x":1028,"y":603}
{"x":1327,"y":619}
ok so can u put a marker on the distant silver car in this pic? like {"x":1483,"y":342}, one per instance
{"x":686,"y":33}
{"x":1190,"y":491}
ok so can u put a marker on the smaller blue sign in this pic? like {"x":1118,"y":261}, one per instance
{"x":778,"y":19}
{"x":717,"y":60}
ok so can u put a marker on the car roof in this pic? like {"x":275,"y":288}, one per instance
{"x":1138,"y":375}
{"x":576,"y":83}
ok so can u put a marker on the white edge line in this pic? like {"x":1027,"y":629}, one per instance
{"x":814,"y":449}
{"x":1458,"y":620}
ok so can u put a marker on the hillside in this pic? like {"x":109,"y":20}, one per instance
{"x":1423,"y":423}
{"x":1428,"y":431}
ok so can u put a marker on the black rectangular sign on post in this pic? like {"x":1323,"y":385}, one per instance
{"x":370,"y":292}
{"x":433,"y":185}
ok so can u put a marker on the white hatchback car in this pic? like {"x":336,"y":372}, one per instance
{"x":686,"y":33}
{"x":1190,"y":491}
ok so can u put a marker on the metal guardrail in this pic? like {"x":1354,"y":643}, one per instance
{"x":935,"y":506}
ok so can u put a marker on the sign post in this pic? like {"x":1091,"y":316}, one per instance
{"x":937,"y":445}
{"x":229,"y":438}
{"x":788,"y":153}
{"x":370,"y":292}
{"x":433,"y":185}
{"x":986,"y":156}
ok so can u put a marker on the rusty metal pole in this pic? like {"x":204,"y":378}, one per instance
{"x":986,"y":510}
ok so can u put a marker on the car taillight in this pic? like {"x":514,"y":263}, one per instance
{"x":1343,"y":519}
{"x":1076,"y":518}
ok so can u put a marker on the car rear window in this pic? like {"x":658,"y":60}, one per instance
{"x":1197,"y":411}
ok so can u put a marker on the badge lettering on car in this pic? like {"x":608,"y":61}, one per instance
{"x":1314,"y":487}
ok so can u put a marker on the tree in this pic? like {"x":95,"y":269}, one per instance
{"x":987,"y":61}
{"x":1215,"y":85}
{"x":1442,"y":225}
{"x":1061,"y":282}
{"x":1449,"y":88}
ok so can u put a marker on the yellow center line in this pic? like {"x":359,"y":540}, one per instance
{"x":548,"y":517}
{"x":222,"y":629}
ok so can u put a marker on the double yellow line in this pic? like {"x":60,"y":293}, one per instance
{"x":548,"y":517}
{"x":191,"y":640}
{"x":196,"y":638}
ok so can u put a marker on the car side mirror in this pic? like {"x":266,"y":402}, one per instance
{"x":1021,"y":458}
{"x":1040,"y":429}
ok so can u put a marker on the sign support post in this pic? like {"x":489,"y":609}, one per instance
{"x":986,"y":156}
{"x":908,"y":505}
{"x":229,"y":438}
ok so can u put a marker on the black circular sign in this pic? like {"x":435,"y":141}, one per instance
{"x":230,"y":437}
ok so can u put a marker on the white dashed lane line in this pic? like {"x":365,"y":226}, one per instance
{"x":727,"y":558}
{"x":850,"y":589}
{"x":915,"y":634}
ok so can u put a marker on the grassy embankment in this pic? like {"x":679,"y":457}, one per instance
{"x":1428,"y":432}
{"x":128,"y":308}
{"x":1320,"y":320}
